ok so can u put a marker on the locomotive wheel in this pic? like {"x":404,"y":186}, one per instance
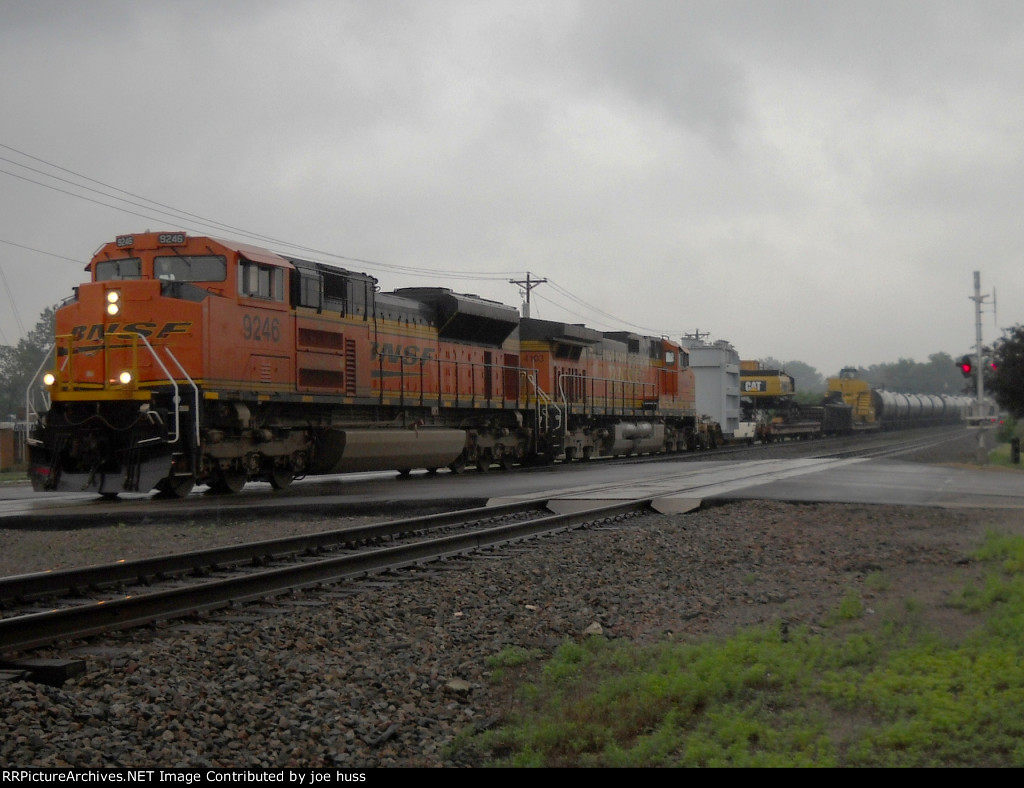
{"x":280,"y":478}
{"x":228,"y":482}
{"x":176,"y":486}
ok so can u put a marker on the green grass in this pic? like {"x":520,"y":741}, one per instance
{"x":20,"y":475}
{"x":1000,"y":455}
{"x":847,"y":696}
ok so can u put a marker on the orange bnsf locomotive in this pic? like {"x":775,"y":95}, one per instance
{"x":191,"y":360}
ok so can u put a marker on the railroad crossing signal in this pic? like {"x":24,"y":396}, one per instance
{"x":965,"y":366}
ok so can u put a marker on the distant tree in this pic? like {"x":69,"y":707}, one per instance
{"x":20,"y":362}
{"x":807,"y":381}
{"x":1006,"y":381}
{"x":939,"y":376}
{"x":805,"y":377}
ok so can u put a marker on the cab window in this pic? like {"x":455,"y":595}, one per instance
{"x":191,"y":268}
{"x":260,"y":281}
{"x":126,"y":268}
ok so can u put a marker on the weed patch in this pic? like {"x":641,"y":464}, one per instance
{"x":785,"y":697}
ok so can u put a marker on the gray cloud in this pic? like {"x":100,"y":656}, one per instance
{"x":812,"y":181}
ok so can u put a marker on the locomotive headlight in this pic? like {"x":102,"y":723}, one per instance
{"x":49,"y":379}
{"x":125,"y":377}
{"x":113,"y":302}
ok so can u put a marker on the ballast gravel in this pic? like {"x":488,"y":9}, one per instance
{"x":388,"y":672}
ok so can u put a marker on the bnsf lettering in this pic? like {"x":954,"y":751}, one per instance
{"x":410,"y":354}
{"x":173,"y":328}
{"x":146,"y":329}
{"x":97,"y":331}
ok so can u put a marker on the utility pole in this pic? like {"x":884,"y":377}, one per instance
{"x":979,"y":360}
{"x":527,"y":285}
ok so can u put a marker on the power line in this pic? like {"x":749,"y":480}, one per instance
{"x":14,"y":306}
{"x":40,"y":251}
{"x":178,"y":214}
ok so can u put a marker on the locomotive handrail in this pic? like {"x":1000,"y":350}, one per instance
{"x":133,"y":337}
{"x":171,"y":380}
{"x":585,"y":378}
{"x":531,"y":374}
{"x":542,"y":397}
{"x":195,"y":391}
{"x":30,"y":410}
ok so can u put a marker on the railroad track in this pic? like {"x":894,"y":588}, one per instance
{"x":902,"y":445}
{"x":49,"y":607}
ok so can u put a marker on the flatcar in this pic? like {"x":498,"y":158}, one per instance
{"x":770,"y":411}
{"x":188,"y":360}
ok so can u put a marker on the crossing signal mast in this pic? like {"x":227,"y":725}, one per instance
{"x":969,"y":366}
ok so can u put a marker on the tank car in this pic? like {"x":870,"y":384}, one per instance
{"x":190,"y":360}
{"x":874,"y":408}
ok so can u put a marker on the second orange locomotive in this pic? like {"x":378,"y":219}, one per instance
{"x":191,"y":360}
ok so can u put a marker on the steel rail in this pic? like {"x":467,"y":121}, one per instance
{"x":29,"y":631}
{"x":903,"y":446}
{"x":40,"y":585}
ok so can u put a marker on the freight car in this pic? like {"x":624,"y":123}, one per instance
{"x":851,"y":404}
{"x":191,"y":360}
{"x":873,"y":408}
{"x":770,"y":410}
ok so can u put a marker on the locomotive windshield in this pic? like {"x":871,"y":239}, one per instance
{"x":191,"y":268}
{"x":126,"y":268}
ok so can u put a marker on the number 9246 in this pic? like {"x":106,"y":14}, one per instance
{"x":261,"y":329}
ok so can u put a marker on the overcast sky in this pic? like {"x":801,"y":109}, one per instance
{"x":813,"y":181}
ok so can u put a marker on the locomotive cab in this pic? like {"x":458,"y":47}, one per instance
{"x":139,"y":348}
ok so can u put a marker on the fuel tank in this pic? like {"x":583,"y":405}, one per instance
{"x":636,"y":438}
{"x":349,"y":450}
